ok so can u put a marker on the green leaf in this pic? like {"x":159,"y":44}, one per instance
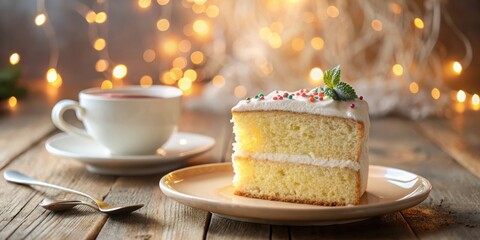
{"x":331,"y":93}
{"x":336,"y":75}
{"x":345,"y":92}
{"x":327,"y":78}
{"x":335,"y":88}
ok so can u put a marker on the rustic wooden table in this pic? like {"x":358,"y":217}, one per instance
{"x":446,"y":151}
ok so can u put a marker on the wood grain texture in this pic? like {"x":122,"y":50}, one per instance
{"x":163,"y":218}
{"x":20,"y":215}
{"x":26,"y":125}
{"x":160,"y":218}
{"x":222,"y":228}
{"x":381,"y":227}
{"x":280,"y":232}
{"x":458,"y":136}
{"x":428,"y":148}
{"x":23,"y":128}
{"x":453,"y":207}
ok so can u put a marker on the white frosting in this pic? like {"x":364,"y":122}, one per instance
{"x":326,"y":107}
{"x":356,"y":110}
{"x":304,"y":159}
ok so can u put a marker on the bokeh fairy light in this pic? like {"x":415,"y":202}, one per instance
{"x":278,"y":44}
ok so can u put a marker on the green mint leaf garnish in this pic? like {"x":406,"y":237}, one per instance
{"x":327,"y":78}
{"x":336,"y":75}
{"x":345,"y":92}
{"x":336,"y":89}
{"x":331,"y":93}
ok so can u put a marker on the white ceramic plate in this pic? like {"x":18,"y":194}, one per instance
{"x":98,"y":159}
{"x":209,"y":187}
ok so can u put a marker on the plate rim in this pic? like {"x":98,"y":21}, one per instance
{"x":124,"y":158}
{"x":359,"y":211}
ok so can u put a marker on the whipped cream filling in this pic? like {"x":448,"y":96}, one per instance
{"x":305,"y":159}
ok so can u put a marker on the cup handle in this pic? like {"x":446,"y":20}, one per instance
{"x":57,"y":117}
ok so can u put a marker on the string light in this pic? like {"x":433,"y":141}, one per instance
{"x":197,"y":57}
{"x":163,"y":2}
{"x":106,"y":84}
{"x":298,"y":44}
{"x":413,"y":87}
{"x":101,"y":65}
{"x":316,"y":74}
{"x":418,"y":23}
{"x":177,"y":73}
{"x":317,"y":43}
{"x":99,"y":44}
{"x":168,"y":78}
{"x":435,"y":93}
{"x":218,"y":81}
{"x":179,"y":62}
{"x":190,"y":74}
{"x":332,"y":11}
{"x":119,"y":71}
{"x":163,"y":25}
{"x":240,"y":91}
{"x":146,"y":81}
{"x":274,"y":35}
{"x":90,"y":16}
{"x":201,"y":27}
{"x":14,"y":58}
{"x":457,"y":67}
{"x":461,"y":96}
{"x":275,"y":40}
{"x":212,"y":11}
{"x":397,"y":69}
{"x":170,"y":47}
{"x":51,"y":75}
{"x":40,"y":19}
{"x":101,"y":17}
{"x":144,"y":3}
{"x":475,"y":100}
{"x":377,"y":25}
{"x":149,"y":55}
{"x":184,"y":84}
{"x":395,"y":8}
{"x":12,"y":102}
{"x":54,"y":79}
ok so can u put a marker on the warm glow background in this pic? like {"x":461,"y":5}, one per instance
{"x":160,"y":42}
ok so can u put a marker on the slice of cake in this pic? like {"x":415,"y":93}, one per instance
{"x":308,"y":146}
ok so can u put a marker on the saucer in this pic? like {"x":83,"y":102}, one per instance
{"x":209,"y":187}
{"x":173,"y":154}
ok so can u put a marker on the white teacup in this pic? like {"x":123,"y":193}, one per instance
{"x":127,"y":121}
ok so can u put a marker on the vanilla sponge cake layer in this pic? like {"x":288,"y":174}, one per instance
{"x":289,"y":133}
{"x":292,"y":182}
{"x":301,"y":150}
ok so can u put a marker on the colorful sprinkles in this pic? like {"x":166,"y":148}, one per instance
{"x":311,"y":96}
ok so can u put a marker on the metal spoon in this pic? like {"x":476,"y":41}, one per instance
{"x":60,"y":205}
{"x":18,"y":177}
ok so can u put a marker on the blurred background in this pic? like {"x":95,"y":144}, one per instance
{"x":417,"y":58}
